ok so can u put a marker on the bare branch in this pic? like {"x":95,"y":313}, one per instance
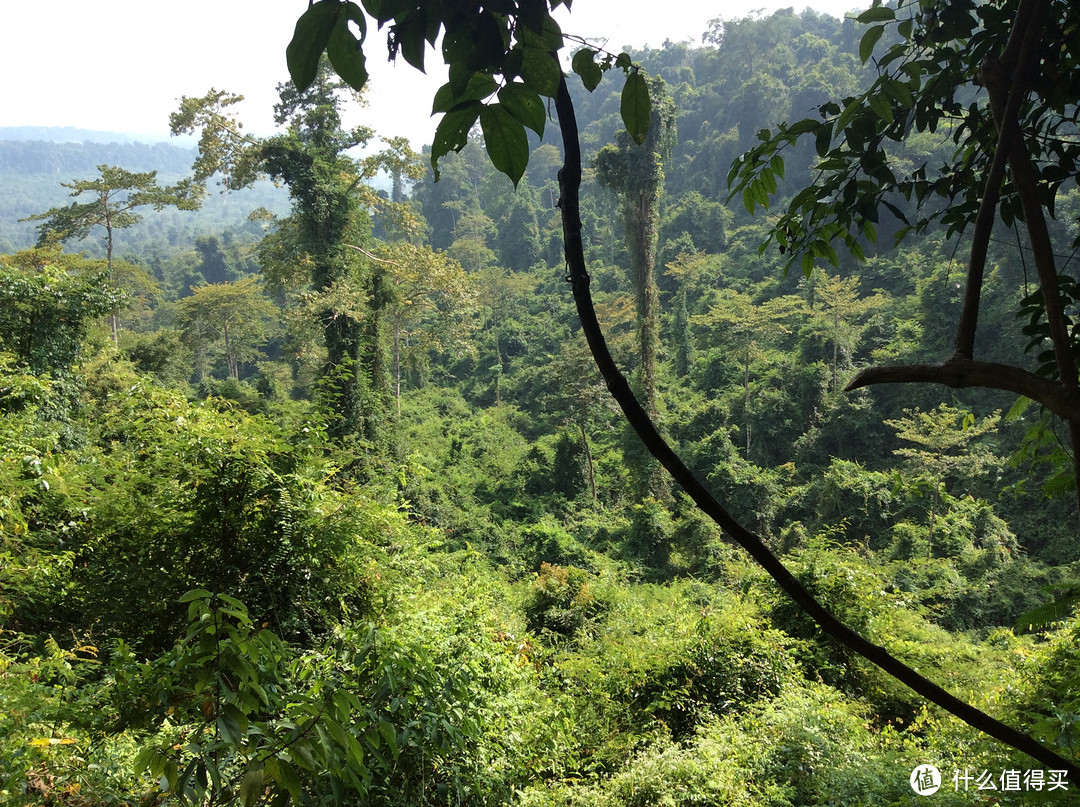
{"x":959,"y":372}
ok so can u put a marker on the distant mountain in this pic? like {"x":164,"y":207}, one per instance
{"x":69,"y":160}
{"x":32,"y":170}
{"x":69,"y":134}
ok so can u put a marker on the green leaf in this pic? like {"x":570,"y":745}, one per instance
{"x":229,"y":727}
{"x":389,"y":734}
{"x":823,"y":139}
{"x":525,"y":105}
{"x":310,"y":38}
{"x":505,"y":141}
{"x":881,"y":106}
{"x":877,"y":14}
{"x":636,"y":106}
{"x":801,"y":127}
{"x":251,"y":786}
{"x":899,"y":92}
{"x":196,"y":594}
{"x":776,"y":165}
{"x":748,"y":199}
{"x":540,"y":71}
{"x":844,"y":120}
{"x":452,"y":133}
{"x":869,"y":39}
{"x":411,"y":31}
{"x":1043,"y":616}
{"x":479,"y":87}
{"x":143,"y":758}
{"x":344,"y":49}
{"x":288,"y":779}
{"x":584,"y":64}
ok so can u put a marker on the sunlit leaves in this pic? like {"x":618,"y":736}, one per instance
{"x":510,"y":51}
{"x":479,"y":87}
{"x":540,"y":71}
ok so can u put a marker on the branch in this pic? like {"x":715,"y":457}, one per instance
{"x":570,"y":183}
{"x":960,"y":372}
{"x":373,"y":257}
{"x":1013,"y":65}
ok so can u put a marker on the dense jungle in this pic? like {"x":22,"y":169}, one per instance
{"x":311,"y":491}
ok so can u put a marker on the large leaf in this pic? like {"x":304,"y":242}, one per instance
{"x":310,"y":38}
{"x":584,"y":64}
{"x":869,"y":39}
{"x":540,"y":71}
{"x":525,"y":105}
{"x":636,"y":106}
{"x":452,"y":133}
{"x":344,"y":49}
{"x":479,"y":87}
{"x":505,"y":139}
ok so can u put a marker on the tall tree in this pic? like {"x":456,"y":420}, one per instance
{"x":746,"y":324}
{"x":636,"y":173}
{"x":329,"y":228}
{"x":839,"y":304}
{"x":947,"y":448}
{"x":114,"y":196}
{"x":235,"y":314}
{"x":430,"y":306}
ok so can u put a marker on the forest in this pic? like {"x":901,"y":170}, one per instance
{"x":312,"y":493}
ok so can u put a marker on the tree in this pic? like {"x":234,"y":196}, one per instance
{"x":745,"y":323}
{"x":635,"y":172}
{"x":948,"y":438}
{"x":578,"y":395}
{"x":47,"y":302}
{"x":329,"y":227}
{"x":431,"y":302}
{"x":234,"y":313}
{"x":840,"y":303}
{"x":488,"y":50}
{"x":997,"y":80}
{"x":115,"y":196}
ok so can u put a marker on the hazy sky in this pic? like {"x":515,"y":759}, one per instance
{"x":121,"y":65}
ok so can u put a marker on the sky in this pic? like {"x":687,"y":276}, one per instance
{"x":122,"y":65}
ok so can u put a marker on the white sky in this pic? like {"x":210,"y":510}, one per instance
{"x":121,"y":65}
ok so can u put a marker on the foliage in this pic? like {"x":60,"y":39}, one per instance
{"x":47,"y":308}
{"x":474,"y":605}
{"x":561,"y":600}
{"x":501,"y":55}
{"x":234,"y":313}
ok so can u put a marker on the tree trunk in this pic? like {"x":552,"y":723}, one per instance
{"x":114,"y":317}
{"x":397,"y":364}
{"x":589,"y":470}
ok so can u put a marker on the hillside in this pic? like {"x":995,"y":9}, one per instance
{"x":334,"y":507}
